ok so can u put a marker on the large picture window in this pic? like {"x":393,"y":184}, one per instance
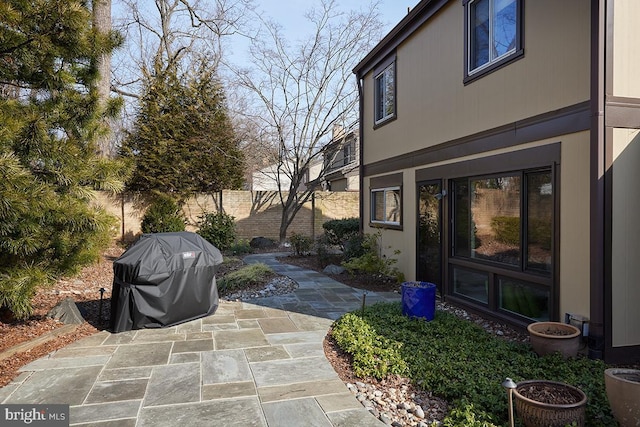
{"x":493,"y":29}
{"x":504,"y":223}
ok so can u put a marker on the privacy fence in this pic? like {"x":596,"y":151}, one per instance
{"x":257,"y":213}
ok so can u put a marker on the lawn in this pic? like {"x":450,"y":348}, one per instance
{"x":461,"y":363}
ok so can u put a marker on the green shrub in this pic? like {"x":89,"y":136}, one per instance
{"x":340,"y":231}
{"x":246,"y":277}
{"x":354,"y":247}
{"x":301,"y":244}
{"x":240,"y":247}
{"x":460,"y":362}
{"x":18,"y":286}
{"x":371,"y":262}
{"x":506,"y":229}
{"x":162,"y":216}
{"x":218,"y":228}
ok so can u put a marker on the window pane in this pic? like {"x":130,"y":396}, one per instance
{"x":471,"y":284}
{"x":524,"y":299}
{"x":389,"y":98}
{"x":495,"y":219}
{"x":540,"y":222}
{"x":392,"y":203}
{"x":504,"y":27}
{"x":461,"y":219}
{"x":377,"y":205}
{"x":380,"y":97}
{"x":479,"y":33}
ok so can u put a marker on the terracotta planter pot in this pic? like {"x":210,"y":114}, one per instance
{"x":549,"y":337}
{"x":534,"y":413}
{"x":623,"y":392}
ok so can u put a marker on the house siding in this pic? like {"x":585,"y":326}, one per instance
{"x":554,"y":73}
{"x":626,"y":49}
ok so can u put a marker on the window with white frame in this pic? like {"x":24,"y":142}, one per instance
{"x":386,"y":205}
{"x":494,"y":29}
{"x":385,"y":93}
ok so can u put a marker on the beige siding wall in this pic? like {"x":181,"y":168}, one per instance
{"x":434,"y":106}
{"x":256,"y":213}
{"x":626,"y":238}
{"x":626,"y":48}
{"x":574,"y":221}
{"x":574,"y":225}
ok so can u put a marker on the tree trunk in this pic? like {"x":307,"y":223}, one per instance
{"x":102,"y":24}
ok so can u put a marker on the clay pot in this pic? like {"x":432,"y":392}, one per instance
{"x":549,"y":337}
{"x":623,"y":392}
{"x":534,"y":413}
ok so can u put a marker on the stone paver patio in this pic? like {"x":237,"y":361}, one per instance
{"x":254,"y":363}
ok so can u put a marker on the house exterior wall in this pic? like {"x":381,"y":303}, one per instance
{"x":625,"y":238}
{"x":626,"y":49}
{"x":552,"y":74}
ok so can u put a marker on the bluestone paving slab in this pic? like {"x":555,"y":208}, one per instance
{"x":276,"y":325}
{"x":192,"y":346}
{"x":299,"y":413}
{"x":114,"y":391}
{"x":104,"y":412}
{"x":354,"y":418}
{"x":184,"y":358}
{"x":140,"y":355}
{"x":338,"y":402}
{"x":220,"y":327}
{"x":120,"y":338}
{"x":228,"y":390}
{"x":125,"y":373}
{"x":305,"y":322}
{"x":192,"y":326}
{"x":302,"y":389}
{"x":63,"y":363}
{"x":296,"y":337}
{"x":158,"y":337}
{"x":241,"y":338}
{"x":278,"y":372}
{"x":225,"y":367}
{"x":261,"y":354}
{"x":7,"y":390}
{"x":173,"y":384}
{"x":305,"y":350}
{"x":105,"y":350}
{"x":91,"y":341}
{"x":248,"y":324}
{"x":199,"y":336}
{"x":217,"y":319}
{"x":60,"y":386}
{"x":251,"y":313}
{"x":238,"y":412}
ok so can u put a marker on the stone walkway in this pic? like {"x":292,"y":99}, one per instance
{"x":254,"y":363}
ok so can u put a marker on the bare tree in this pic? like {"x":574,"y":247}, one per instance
{"x":101,"y":10}
{"x":304,"y":90}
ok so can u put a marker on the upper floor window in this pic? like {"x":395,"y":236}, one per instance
{"x":385,"y":92}
{"x":494,"y":34}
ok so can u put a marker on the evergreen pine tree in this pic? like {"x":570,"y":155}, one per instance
{"x":183,"y":140}
{"x":49,"y":121}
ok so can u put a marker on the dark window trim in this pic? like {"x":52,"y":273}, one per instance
{"x":389,"y":61}
{"x":380,"y":183}
{"x":517,"y":54}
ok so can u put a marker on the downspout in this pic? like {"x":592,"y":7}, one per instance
{"x":597,"y":184}
{"x":360,"y":150}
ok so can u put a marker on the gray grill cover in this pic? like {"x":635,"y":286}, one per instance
{"x":164,"y":279}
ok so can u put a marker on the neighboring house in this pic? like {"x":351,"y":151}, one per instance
{"x":266,"y":179}
{"x":500,"y":153}
{"x":341,"y":160}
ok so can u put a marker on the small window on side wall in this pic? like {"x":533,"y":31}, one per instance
{"x":494,"y":35}
{"x":386,"y":206}
{"x":385,"y":93}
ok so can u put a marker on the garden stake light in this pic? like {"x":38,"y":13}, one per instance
{"x":102,"y":291}
{"x":364,"y":298}
{"x":510,"y":386}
